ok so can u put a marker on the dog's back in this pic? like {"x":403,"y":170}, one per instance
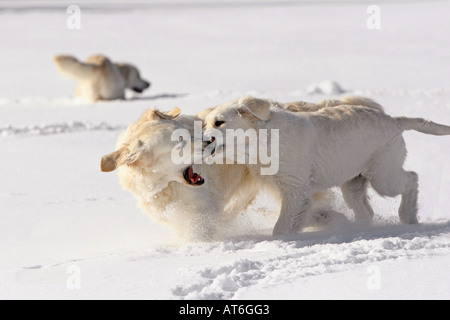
{"x":302,"y":106}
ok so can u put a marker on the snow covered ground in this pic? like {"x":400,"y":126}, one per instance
{"x":68,"y":231}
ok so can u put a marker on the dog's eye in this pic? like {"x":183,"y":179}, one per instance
{"x":218,"y":123}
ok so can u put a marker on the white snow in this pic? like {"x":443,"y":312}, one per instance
{"x":55,"y":128}
{"x":68,"y":231}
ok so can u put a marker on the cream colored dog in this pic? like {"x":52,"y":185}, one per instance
{"x":347,"y":146}
{"x":193,"y":205}
{"x":190,"y":203}
{"x":100,"y":79}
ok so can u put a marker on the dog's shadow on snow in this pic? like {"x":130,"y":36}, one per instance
{"x":352,"y":232}
{"x":161,"y":96}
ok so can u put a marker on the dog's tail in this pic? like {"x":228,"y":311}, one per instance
{"x":70,"y":66}
{"x":422,"y":125}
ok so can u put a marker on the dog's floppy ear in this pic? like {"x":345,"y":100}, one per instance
{"x":254,"y":109}
{"x":175,"y":112}
{"x":124,"y":155}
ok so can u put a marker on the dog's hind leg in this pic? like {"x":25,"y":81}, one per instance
{"x":404,"y":183}
{"x":390,"y":179}
{"x":408,"y":207}
{"x":355,"y":196}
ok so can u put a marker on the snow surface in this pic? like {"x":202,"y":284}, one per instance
{"x":68,"y":231}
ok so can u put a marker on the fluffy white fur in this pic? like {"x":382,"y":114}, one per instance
{"x":347,"y":145}
{"x":99,"y":78}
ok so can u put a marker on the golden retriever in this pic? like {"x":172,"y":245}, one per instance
{"x":183,"y":196}
{"x":99,"y":78}
{"x":346,"y":145}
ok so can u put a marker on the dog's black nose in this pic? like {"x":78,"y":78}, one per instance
{"x":147,"y":84}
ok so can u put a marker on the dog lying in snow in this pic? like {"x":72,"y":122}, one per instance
{"x":346,"y":145}
{"x":99,"y":78}
{"x":193,"y":205}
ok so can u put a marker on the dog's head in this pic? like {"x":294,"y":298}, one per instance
{"x":133,"y":78}
{"x":240,"y":114}
{"x":144,"y":155}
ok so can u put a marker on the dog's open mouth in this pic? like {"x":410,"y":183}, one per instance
{"x":192,"y":178}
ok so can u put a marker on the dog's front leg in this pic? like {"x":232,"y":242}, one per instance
{"x":295,"y":207}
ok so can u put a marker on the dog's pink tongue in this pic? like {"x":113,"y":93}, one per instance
{"x":193,"y":176}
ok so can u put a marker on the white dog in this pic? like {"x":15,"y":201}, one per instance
{"x":347,"y":146}
{"x":100,"y":79}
